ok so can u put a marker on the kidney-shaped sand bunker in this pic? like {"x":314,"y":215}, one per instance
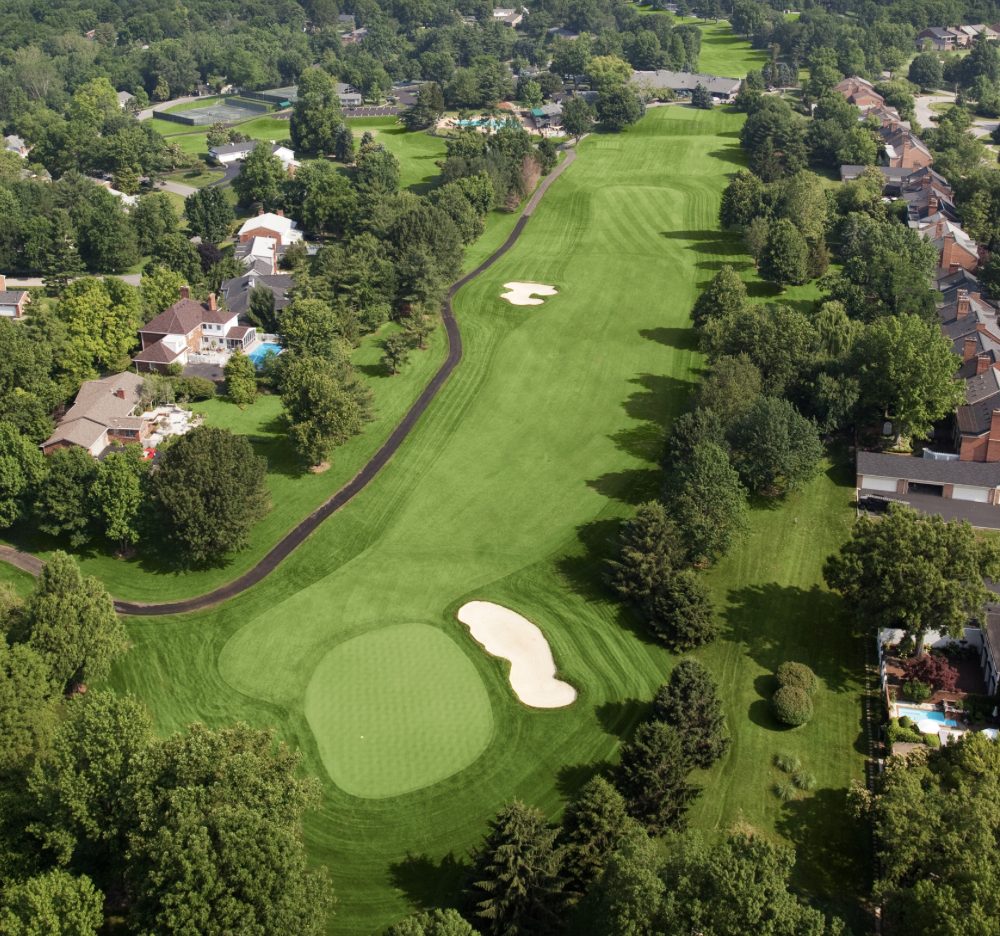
{"x":397,"y":709}
{"x":505,"y":633}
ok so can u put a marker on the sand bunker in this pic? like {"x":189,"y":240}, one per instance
{"x":504,"y":633}
{"x":525,"y":293}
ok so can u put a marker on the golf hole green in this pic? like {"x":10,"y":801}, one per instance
{"x":396,"y":710}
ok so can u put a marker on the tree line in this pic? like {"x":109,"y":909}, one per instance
{"x":620,"y":861}
{"x":106,"y":823}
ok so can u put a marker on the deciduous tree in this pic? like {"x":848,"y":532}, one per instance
{"x":241,"y":379}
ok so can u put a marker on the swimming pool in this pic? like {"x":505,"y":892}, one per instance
{"x":263,"y":350}
{"x":919,"y":715}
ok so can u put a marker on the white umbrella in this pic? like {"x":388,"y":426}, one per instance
{"x":991,"y":733}
{"x":928,"y":726}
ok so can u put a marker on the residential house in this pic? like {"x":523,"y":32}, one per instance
{"x":13,"y":302}
{"x":229,"y":153}
{"x":349,"y":96}
{"x":354,"y":36}
{"x":259,"y":255}
{"x":270,"y":224}
{"x":561,"y":32}
{"x":548,"y":115}
{"x":955,"y":247}
{"x":14,"y":144}
{"x":722,"y":89}
{"x":904,"y":149}
{"x":989,"y":656}
{"x":859,"y":92}
{"x":938,"y":38}
{"x":190,"y":328}
{"x":236,"y":292}
{"x":124,"y":99}
{"x":509,"y":17}
{"x":105,"y":411}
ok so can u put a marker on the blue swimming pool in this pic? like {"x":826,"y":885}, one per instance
{"x":919,"y":715}
{"x":262,"y":351}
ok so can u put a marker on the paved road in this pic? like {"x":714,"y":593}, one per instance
{"x":922,"y":106}
{"x":178,"y":188}
{"x":32,"y":282}
{"x":293,"y":539}
{"x":163,"y":105}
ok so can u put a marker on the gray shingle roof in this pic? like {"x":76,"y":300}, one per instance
{"x":687,"y":81}
{"x":976,"y":474}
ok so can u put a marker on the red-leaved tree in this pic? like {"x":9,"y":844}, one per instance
{"x":932,"y":669}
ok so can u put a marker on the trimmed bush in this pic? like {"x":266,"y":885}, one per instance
{"x":917,"y":691}
{"x":798,"y":675}
{"x":792,"y":706}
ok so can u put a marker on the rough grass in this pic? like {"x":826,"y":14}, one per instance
{"x":510,"y":490}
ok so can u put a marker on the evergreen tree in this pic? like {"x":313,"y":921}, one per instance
{"x":786,"y":257}
{"x":679,"y":611}
{"x":650,"y":550}
{"x":592,"y":828}
{"x":61,"y":261}
{"x":690,"y":702}
{"x":427,"y":110}
{"x":241,"y":379}
{"x":516,"y":875}
{"x":700,"y":97}
{"x":653,"y":778}
{"x":343,"y":145}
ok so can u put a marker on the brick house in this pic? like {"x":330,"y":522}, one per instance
{"x":13,"y":302}
{"x":187,"y":328}
{"x":904,"y":149}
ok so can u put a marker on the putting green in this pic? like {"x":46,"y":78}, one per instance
{"x":396,"y":710}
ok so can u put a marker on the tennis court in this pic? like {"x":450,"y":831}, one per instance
{"x":224,"y":111}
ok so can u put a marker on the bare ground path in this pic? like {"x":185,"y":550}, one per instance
{"x":298,"y":534}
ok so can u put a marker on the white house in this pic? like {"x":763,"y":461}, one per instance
{"x":14,"y":144}
{"x":272,"y":224}
{"x":229,"y":153}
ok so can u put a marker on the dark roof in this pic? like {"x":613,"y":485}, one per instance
{"x":237,"y":291}
{"x":238,"y":331}
{"x":12,"y":296}
{"x":687,"y":81}
{"x":183,"y":317}
{"x":157,"y":353}
{"x":976,"y":474}
{"x":226,"y":148}
{"x":958,"y":279}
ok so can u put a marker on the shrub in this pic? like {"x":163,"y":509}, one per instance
{"x":193,"y":388}
{"x":933,"y":669}
{"x":897,"y":731}
{"x":784,"y":791}
{"x":932,"y":740}
{"x":917,"y":691}
{"x":906,"y":722}
{"x":792,"y":706}
{"x":788,"y":763}
{"x":803,"y":780}
{"x":799,"y":675}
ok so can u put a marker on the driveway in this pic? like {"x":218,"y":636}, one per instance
{"x":232,"y":171}
{"x":178,"y":188}
{"x":922,"y":106}
{"x":35,"y":282}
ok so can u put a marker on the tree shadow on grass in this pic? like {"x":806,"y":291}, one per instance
{"x":428,"y":883}
{"x":571,"y":778}
{"x":684,"y":339}
{"x":373,"y":370}
{"x":797,"y":617}
{"x":621,"y":718}
{"x":633,"y":486}
{"x":659,"y":399}
{"x":732,"y":153}
{"x":832,"y":857}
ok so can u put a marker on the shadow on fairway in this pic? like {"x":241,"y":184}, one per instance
{"x":683,"y":339}
{"x":621,"y":718}
{"x":632,"y":486}
{"x":829,"y":850}
{"x":428,"y":883}
{"x":571,"y":778}
{"x":796,"y":615}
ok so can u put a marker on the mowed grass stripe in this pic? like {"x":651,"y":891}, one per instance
{"x":509,"y":490}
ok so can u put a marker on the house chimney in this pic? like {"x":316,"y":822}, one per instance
{"x":968,"y":349}
{"x":982,"y":363}
{"x":213,"y":304}
{"x":963,"y":306}
{"x":932,"y":203}
{"x":185,"y":292}
{"x":280,"y":212}
{"x":994,"y":427}
{"x":120,"y":393}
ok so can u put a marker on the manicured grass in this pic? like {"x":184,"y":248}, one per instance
{"x":194,"y":140}
{"x":293,"y":493}
{"x":725,"y":53}
{"x":510,"y":490}
{"x":417,"y":152}
{"x":21,"y":582}
{"x":381,"y":704}
{"x":199,"y":178}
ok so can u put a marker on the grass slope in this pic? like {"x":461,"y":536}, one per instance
{"x":509,"y":490}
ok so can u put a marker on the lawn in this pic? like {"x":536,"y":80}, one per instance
{"x":510,"y":490}
{"x":293,"y":493}
{"x":194,"y":140}
{"x":722,"y":51}
{"x":417,"y":152}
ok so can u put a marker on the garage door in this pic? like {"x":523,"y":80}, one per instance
{"x":967,"y":493}
{"x":872,"y":483}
